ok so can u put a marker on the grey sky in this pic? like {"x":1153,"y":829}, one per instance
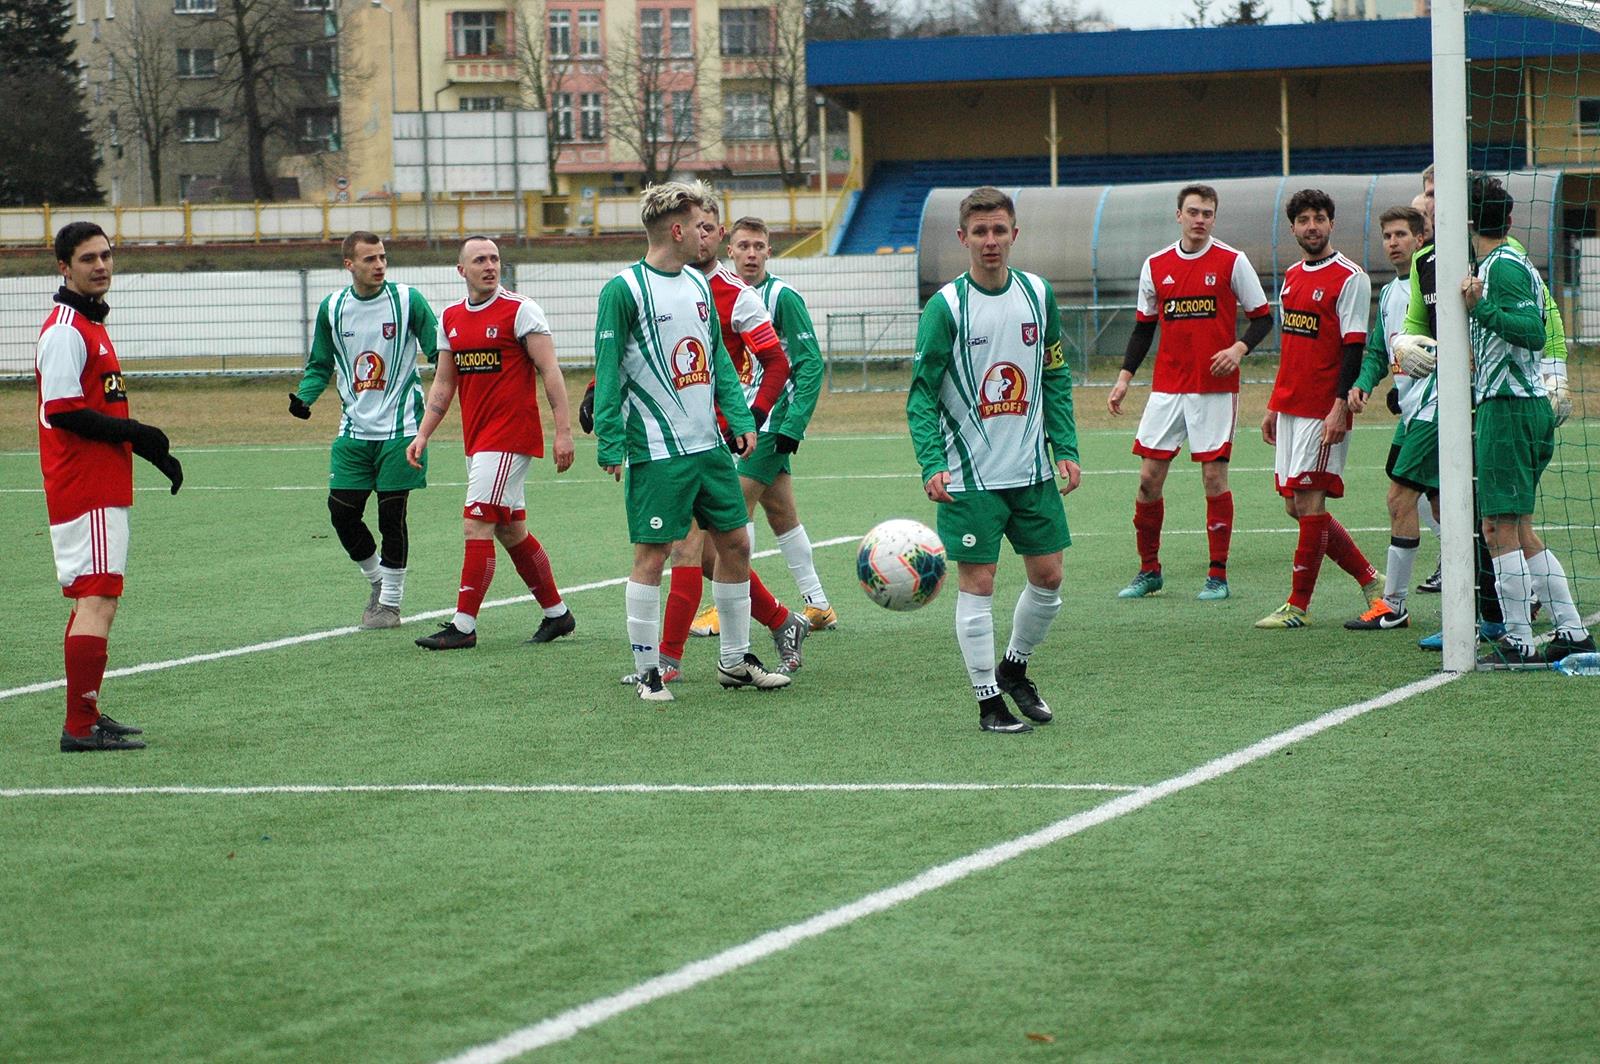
{"x":1156,"y":14}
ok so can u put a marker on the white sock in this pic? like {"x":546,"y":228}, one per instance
{"x":1397,"y":581}
{"x":464,"y":622}
{"x":369,"y":568}
{"x":750,"y":533}
{"x":733,"y":618}
{"x":1514,"y":586}
{"x":643,"y":603}
{"x":1030,"y":623}
{"x":1550,"y":581}
{"x":1425,"y":512}
{"x":796,"y":548}
{"x":555,"y":611}
{"x":394,"y":586}
{"x":975,"y":634}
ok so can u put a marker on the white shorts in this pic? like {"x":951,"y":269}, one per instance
{"x":92,"y":552}
{"x":1204,"y":419}
{"x":496,"y":486}
{"x":1303,"y":463}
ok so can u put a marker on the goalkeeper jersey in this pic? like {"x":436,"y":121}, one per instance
{"x":369,"y":347}
{"x":1507,"y":327}
{"x":990,"y":384}
{"x":792,"y":319}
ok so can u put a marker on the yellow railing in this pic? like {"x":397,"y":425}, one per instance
{"x":813,"y":243}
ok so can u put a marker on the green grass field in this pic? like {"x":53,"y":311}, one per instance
{"x":1415,"y":884}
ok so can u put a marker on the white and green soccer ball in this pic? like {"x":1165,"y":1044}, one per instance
{"x":901,"y":564}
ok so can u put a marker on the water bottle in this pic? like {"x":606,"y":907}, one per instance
{"x":1579,"y":664}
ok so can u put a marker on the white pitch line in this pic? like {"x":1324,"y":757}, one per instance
{"x":567,"y":1024}
{"x":331,"y":633}
{"x":183,"y":790}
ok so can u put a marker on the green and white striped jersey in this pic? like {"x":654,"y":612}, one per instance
{"x":1419,"y":399}
{"x":989,"y":384}
{"x":792,"y":320}
{"x":369,"y":347}
{"x":1508,"y":327}
{"x":661,"y":371}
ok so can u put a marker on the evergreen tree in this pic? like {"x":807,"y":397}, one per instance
{"x":47,"y":153}
{"x":1245,"y":13}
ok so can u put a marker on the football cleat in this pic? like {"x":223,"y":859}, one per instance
{"x":993,"y":716}
{"x":1488,"y":632}
{"x":106,"y":724}
{"x":1561,"y":644}
{"x":381,"y":616}
{"x":449,"y":638}
{"x":1013,"y":680}
{"x":751,"y":673}
{"x":1144,"y":583}
{"x":670,"y":673}
{"x":788,"y":638}
{"x":821,"y":619}
{"x":98,"y":739}
{"x":1286,"y":616}
{"x":553,"y":628}
{"x":1216,"y":590}
{"x":1380,"y":617}
{"x":1507,"y":653}
{"x":1435,"y":583}
{"x":705,"y":622}
{"x":652,"y":688}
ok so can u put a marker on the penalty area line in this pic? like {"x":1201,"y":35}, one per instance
{"x":567,"y":1024}
{"x":185,"y":790}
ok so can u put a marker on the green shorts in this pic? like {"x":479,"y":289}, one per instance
{"x":764,"y":464}
{"x":1414,"y":458}
{"x":367,"y":465}
{"x":663,"y":495}
{"x":1516,"y":439}
{"x":1032,"y":518}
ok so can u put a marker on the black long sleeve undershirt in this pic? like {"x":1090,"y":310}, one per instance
{"x":1350,"y":368}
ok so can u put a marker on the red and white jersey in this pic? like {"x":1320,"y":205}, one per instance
{"x":1197,"y":297}
{"x":76,"y":368}
{"x":747,"y":333}
{"x":1325,"y":306}
{"x":495,"y":378}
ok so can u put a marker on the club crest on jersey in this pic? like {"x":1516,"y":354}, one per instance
{"x":113,"y":388}
{"x":690,"y":366}
{"x":1004,"y":391}
{"x":368,"y":373}
{"x":705,"y":311}
{"x":388,"y":330}
{"x":1316,"y":295}
{"x":1030,"y":332}
{"x":492,"y":331}
{"x":1211,"y":280}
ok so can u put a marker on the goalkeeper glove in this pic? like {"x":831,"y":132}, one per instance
{"x":785,"y":444}
{"x":1417,"y":356}
{"x":1392,"y":400}
{"x":586,"y":410}
{"x":298,"y":407}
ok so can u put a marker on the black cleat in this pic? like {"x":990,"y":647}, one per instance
{"x":98,"y":739}
{"x":1002,"y":721}
{"x":1507,"y":653}
{"x":1013,"y":680}
{"x":449,"y":638}
{"x":106,"y":724}
{"x":553,"y":628}
{"x":1561,"y":645}
{"x":1434,"y":584}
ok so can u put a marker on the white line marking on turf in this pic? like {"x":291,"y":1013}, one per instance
{"x":565,"y":1025}
{"x":331,"y":633}
{"x":543,"y":788}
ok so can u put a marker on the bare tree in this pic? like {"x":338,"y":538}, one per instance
{"x":655,"y":98}
{"x":1201,"y":16}
{"x":1066,"y":16}
{"x":780,"y":67}
{"x":146,"y":88}
{"x":543,"y":73}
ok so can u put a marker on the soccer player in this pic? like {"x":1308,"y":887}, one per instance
{"x":990,"y":406}
{"x":86,"y":447}
{"x":765,"y":474}
{"x":367,"y":339}
{"x":1325,"y":300}
{"x":1413,"y":465}
{"x":1194,"y":288}
{"x":1515,"y":431}
{"x":496,"y":341}
{"x":661,"y":375}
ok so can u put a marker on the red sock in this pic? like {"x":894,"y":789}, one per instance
{"x":1147,"y":518}
{"x":533,"y":565}
{"x":1219,"y":532}
{"x":765,"y":609}
{"x":1308,"y":558}
{"x":477,"y":573}
{"x":683,"y":602}
{"x":1343,"y":550}
{"x":86,"y":667}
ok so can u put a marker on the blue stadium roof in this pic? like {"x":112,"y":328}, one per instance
{"x":1153,"y":53}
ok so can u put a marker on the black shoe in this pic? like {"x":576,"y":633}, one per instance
{"x":1013,"y":680}
{"x":1559,"y":647}
{"x":1507,"y":653}
{"x":98,"y":739}
{"x":1434,"y":584}
{"x":994,"y":716}
{"x":449,"y":638}
{"x":553,"y":628}
{"x":106,"y":724}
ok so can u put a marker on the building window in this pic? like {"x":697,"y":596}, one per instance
{"x":83,"y":76}
{"x":683,"y":115}
{"x":114,"y":129}
{"x":94,"y":31}
{"x":482,"y":103}
{"x":83,"y":11}
{"x":653,"y":127}
{"x":111,"y":8}
{"x":561,"y":116}
{"x":319,"y":128}
{"x":682,"y":38}
{"x":187,"y":183}
{"x":589,"y":34}
{"x":199,"y":126}
{"x":746,"y":116}
{"x":560,"y":34}
{"x":313,"y":5}
{"x":591,"y":116}
{"x":746,"y":31}
{"x":197,"y":62}
{"x":194,"y":7}
{"x":650,"y":31}
{"x":314,"y":59}
{"x":478,"y":33}
{"x":1589,"y":114}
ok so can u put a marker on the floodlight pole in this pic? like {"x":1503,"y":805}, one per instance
{"x":1455,"y":346}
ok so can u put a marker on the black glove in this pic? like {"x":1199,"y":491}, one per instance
{"x":298,"y":408}
{"x":586,"y":410}
{"x":151,"y":444}
{"x":734,"y":441}
{"x":172,"y":469}
{"x":760,"y":416}
{"x":785,"y":444}
{"x":1392,"y":400}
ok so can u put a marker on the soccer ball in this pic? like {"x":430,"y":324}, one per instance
{"x":901,"y":564}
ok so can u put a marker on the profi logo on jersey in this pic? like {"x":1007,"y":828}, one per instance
{"x":689,"y":363}
{"x":478,"y":361}
{"x":368,"y":373}
{"x":1302,"y":322}
{"x":1181,"y":307}
{"x":1005,"y":391}
{"x":113,"y":388}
